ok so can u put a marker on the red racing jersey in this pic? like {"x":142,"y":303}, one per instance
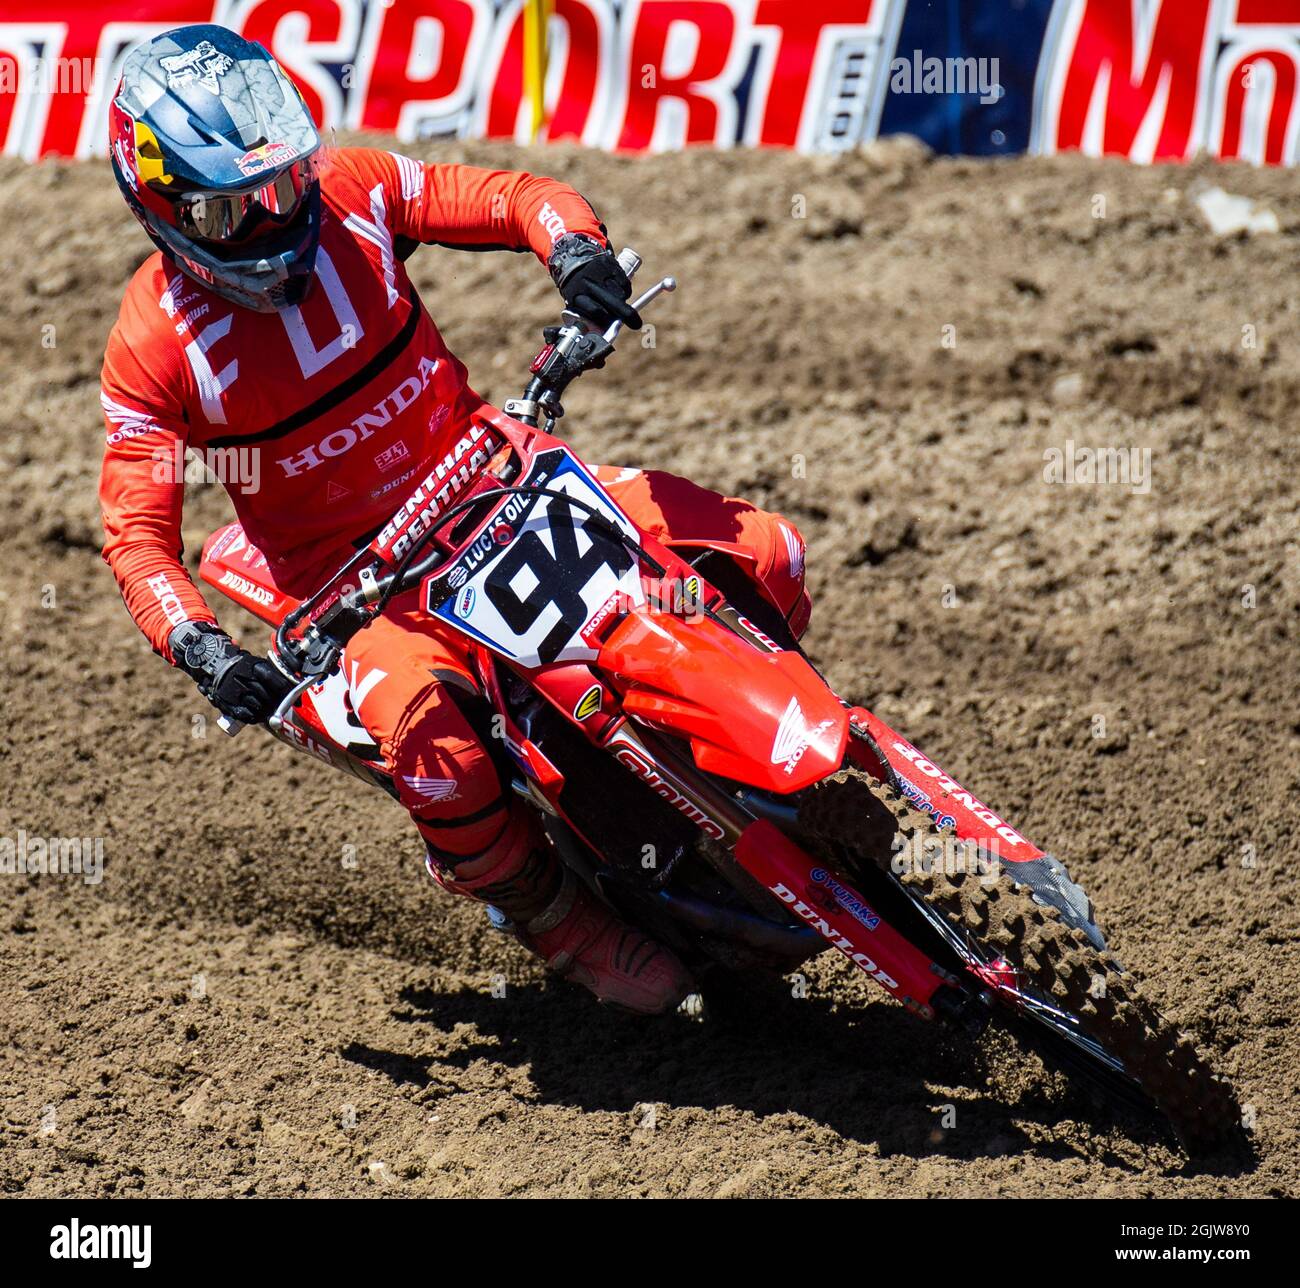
{"x":317,"y":418}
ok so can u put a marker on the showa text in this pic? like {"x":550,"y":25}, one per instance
{"x":232,"y":467}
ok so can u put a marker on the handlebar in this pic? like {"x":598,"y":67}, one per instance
{"x":576,"y":346}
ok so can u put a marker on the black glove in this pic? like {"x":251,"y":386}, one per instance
{"x":244,"y":687}
{"x":592,"y":283}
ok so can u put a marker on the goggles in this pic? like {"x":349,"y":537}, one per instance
{"x":235,"y":216}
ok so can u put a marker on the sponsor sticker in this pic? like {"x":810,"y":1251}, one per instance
{"x":794,"y":735}
{"x":201,"y":65}
{"x":848,"y":899}
{"x":268,"y":157}
{"x":588,"y":704}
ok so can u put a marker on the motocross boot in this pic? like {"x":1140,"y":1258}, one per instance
{"x":559,"y":919}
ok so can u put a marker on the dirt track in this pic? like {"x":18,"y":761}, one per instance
{"x":234,"y":1010}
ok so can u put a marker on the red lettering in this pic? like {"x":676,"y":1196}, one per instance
{"x":83,"y":29}
{"x":1106,"y":54}
{"x":1271,"y":13}
{"x":801,"y":25}
{"x":1281,"y":103}
{"x":444,"y":28}
{"x":650,"y":85}
{"x":10,"y":97}
{"x":582,"y":59}
{"x":303,"y":35}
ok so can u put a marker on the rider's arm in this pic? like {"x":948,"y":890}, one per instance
{"x":475,"y":209}
{"x":141,"y":489}
{"x":465,"y":206}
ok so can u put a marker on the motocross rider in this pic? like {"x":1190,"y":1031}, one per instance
{"x":277,"y":317}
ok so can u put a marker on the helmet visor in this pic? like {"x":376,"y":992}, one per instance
{"x":237,"y":216}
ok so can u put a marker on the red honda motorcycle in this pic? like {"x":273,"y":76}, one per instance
{"x":695,"y":769}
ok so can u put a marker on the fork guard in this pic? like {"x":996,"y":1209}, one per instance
{"x":825,"y":901}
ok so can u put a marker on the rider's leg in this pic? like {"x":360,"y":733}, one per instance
{"x":681,"y":513}
{"x":409,"y":682}
{"x":559,"y":919}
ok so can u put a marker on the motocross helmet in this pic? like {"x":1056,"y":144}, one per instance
{"x":217,"y":156}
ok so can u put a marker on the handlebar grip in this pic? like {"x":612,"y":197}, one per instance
{"x":629,"y":261}
{"x":229,"y":726}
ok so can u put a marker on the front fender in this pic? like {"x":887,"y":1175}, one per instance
{"x":765,"y":719}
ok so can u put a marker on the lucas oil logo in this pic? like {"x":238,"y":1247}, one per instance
{"x":486,"y":542}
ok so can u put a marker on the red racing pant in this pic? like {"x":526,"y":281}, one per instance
{"x":418,"y":710}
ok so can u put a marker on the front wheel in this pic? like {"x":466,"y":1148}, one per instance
{"x":1053,"y":981}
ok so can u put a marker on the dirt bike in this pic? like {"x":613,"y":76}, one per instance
{"x":696,"y":770}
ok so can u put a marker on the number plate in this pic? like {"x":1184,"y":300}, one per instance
{"x":541,"y":571}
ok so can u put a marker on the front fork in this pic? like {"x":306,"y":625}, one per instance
{"x":809,"y":890}
{"x":823,"y":899}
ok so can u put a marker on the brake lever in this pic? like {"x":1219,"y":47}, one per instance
{"x":231,"y":727}
{"x":588,"y":327}
{"x":664,"y":286}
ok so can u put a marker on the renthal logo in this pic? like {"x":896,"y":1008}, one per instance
{"x":340,"y":441}
{"x":831,"y":935}
{"x":448,"y":478}
{"x":642,"y":768}
{"x":249,"y":590}
{"x":960,"y":794}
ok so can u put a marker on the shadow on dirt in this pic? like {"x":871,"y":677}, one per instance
{"x":875,"y":1075}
